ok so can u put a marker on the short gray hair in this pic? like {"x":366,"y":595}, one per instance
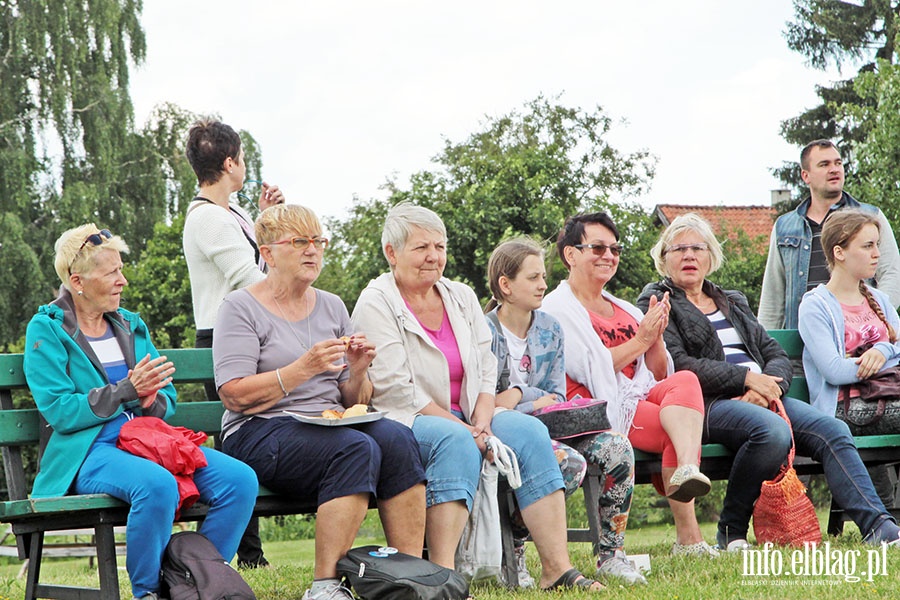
{"x":683,"y":224}
{"x":400,"y":221}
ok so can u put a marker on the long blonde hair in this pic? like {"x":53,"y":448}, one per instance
{"x":839,"y":229}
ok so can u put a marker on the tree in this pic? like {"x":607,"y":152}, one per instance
{"x":835,"y":32}
{"x":64,"y":70}
{"x":522,"y":174}
{"x":878,"y":154}
{"x":160,"y":290}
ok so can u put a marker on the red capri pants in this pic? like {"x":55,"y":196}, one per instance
{"x":647,"y":434}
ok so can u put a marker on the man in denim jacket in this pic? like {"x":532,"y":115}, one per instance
{"x":796,"y":263}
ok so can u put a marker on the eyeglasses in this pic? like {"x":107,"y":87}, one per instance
{"x":683,"y":248}
{"x":600,"y":249}
{"x":302,"y":243}
{"x":95,"y":239}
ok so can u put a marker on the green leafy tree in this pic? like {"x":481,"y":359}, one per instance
{"x":878,"y":155}
{"x":836,"y":32}
{"x":65,"y":119}
{"x":522,"y":174}
{"x":159,"y":287}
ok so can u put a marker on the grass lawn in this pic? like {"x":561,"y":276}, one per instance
{"x":671,"y":578}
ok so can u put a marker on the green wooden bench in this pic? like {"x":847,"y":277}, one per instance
{"x":30,"y":519}
{"x":717,"y":459}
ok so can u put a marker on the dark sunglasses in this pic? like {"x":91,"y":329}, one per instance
{"x":95,"y":239}
{"x":600,"y":249}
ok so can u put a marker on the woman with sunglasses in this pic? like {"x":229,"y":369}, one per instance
{"x":91,"y":367}
{"x":220,"y":249}
{"x":615,"y":352}
{"x":285,"y":348}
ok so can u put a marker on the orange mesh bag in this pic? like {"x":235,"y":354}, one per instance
{"x":784,"y":515}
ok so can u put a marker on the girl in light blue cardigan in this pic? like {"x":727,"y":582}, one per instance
{"x":846,"y":314}
{"x":530,"y":343}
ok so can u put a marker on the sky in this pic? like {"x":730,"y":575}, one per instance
{"x":344,"y":95}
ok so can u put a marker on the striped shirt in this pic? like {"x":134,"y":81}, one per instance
{"x":107,"y":349}
{"x":735,"y":350}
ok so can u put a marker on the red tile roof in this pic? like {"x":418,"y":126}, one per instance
{"x":755,"y":220}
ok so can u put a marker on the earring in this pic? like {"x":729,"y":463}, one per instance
{"x":231,"y":170}
{"x":81,"y":292}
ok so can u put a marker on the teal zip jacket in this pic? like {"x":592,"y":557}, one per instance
{"x":72,"y":392}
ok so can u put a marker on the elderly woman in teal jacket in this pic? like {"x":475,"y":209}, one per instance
{"x":91,"y":367}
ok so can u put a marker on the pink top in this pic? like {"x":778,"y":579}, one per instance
{"x":445,"y":340}
{"x":862,"y":326}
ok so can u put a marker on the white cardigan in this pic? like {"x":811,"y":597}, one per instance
{"x":219,"y":258}
{"x":589,"y":362}
{"x":409,"y":370}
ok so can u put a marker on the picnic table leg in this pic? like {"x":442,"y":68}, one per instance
{"x":591,"y":490}
{"x":835,"y":519}
{"x":507,"y":506}
{"x":35,"y":548}
{"x":106,"y":561}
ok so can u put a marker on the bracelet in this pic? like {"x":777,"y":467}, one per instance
{"x":280,"y":382}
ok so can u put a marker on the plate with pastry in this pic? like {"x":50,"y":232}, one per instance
{"x":356,"y":414}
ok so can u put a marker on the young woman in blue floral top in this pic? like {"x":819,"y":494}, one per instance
{"x":530,"y":343}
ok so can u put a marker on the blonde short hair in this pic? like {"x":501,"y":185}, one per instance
{"x":400,"y":221}
{"x":683,"y":224}
{"x":75,"y":255}
{"x":286,"y":219}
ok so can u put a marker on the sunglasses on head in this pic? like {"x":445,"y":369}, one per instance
{"x":95,"y":239}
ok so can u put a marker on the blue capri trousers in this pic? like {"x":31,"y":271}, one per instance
{"x":226,"y":485}
{"x":453,"y":461}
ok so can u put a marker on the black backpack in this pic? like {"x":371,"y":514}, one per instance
{"x":192,"y":569}
{"x":377,"y":575}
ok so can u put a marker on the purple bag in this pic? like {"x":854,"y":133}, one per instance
{"x":573,"y":418}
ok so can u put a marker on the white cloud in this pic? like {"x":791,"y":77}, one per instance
{"x":341,"y":95}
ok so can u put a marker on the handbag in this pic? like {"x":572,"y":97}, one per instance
{"x":480,"y":551}
{"x":375,"y":575}
{"x":876,"y":410}
{"x":573,"y":418}
{"x":784,"y":514}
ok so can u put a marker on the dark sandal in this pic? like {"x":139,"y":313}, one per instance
{"x":573,"y":579}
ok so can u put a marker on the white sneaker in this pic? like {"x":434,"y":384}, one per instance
{"x":525,"y":578}
{"x":687,"y":483}
{"x":334,"y":591}
{"x":619,"y":567}
{"x":699,"y":549}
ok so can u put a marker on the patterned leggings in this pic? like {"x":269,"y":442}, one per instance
{"x":611,"y":452}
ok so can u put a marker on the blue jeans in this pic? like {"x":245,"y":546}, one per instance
{"x":761,"y":440}
{"x":453,"y":462}
{"x":227,"y":485}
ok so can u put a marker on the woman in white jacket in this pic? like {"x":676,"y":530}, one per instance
{"x":615,"y":352}
{"x":435,"y":372}
{"x":221,"y":251}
